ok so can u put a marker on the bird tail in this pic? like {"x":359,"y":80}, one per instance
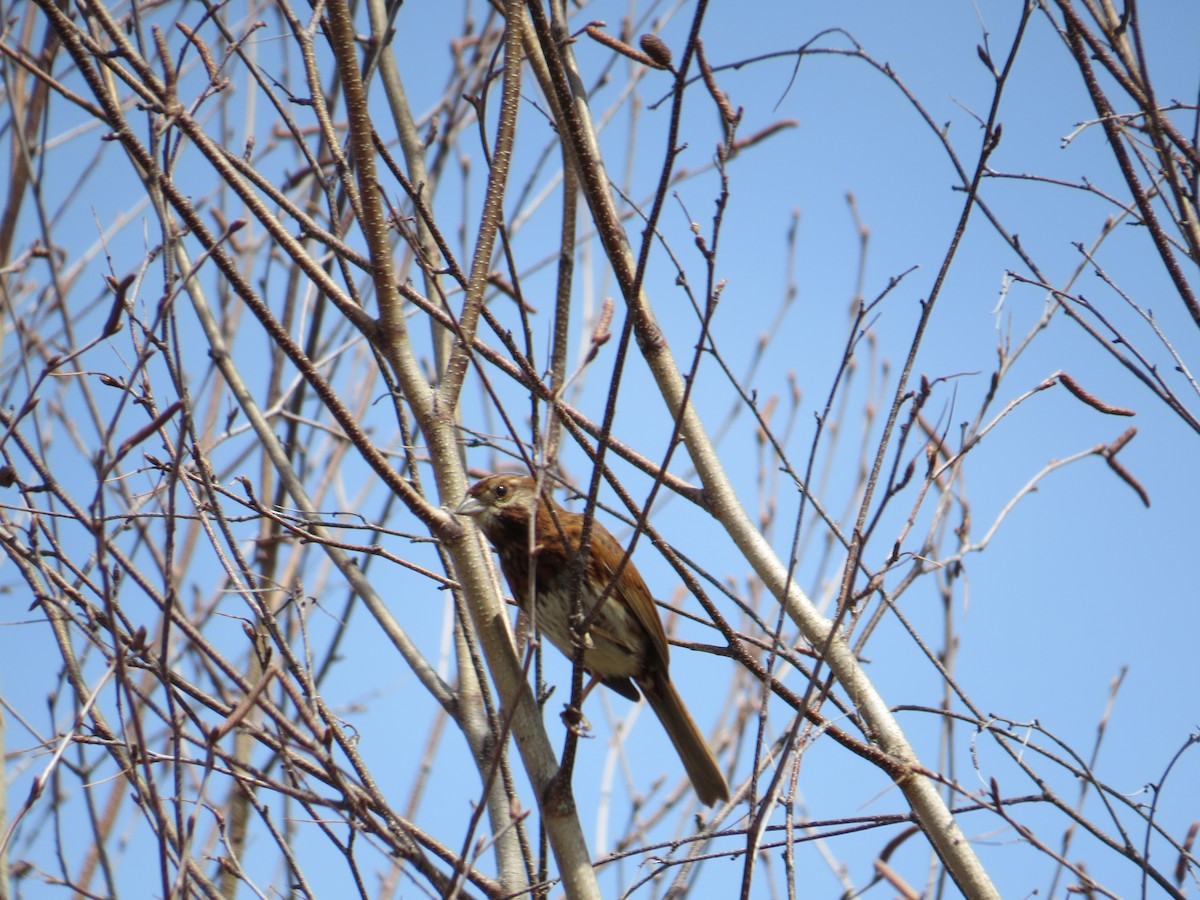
{"x":693,"y":750}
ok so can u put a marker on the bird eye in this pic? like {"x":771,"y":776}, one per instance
{"x":501,"y":490}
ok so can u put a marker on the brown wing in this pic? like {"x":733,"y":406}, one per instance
{"x":631,"y":587}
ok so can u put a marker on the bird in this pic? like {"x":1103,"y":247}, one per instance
{"x":625,"y":647}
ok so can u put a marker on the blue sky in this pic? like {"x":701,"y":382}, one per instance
{"x":1080,"y":583}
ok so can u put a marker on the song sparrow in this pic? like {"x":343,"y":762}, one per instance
{"x":625,"y":642}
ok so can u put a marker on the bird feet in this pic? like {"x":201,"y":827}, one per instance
{"x":576,"y":721}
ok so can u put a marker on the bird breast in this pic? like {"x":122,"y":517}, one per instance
{"x":605,"y":653}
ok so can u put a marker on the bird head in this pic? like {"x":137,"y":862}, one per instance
{"x":499,"y":497}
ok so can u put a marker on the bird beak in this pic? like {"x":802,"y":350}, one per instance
{"x":471,"y":506}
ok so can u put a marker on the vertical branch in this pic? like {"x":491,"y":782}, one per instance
{"x":935,"y":818}
{"x":1077,"y":35}
{"x":493,"y":208}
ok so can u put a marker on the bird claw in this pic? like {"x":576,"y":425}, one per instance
{"x":581,"y":636}
{"x":576,"y":721}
